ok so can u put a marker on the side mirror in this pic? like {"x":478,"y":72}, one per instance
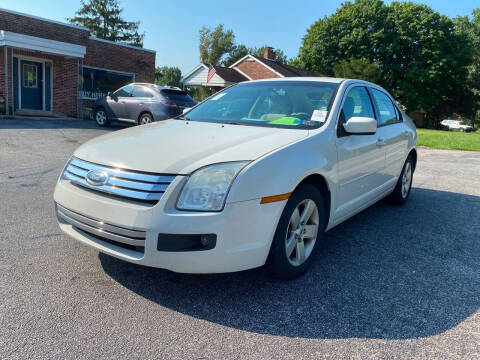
{"x":361,"y":125}
{"x":185,"y":110}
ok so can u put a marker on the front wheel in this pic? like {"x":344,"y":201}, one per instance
{"x":401,"y":192}
{"x":101,"y":117}
{"x":299,"y":232}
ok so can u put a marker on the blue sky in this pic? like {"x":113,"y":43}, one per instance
{"x":172,"y":26}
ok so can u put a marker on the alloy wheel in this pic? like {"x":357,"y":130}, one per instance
{"x":302,"y":232}
{"x":101,"y":117}
{"x":145,"y":120}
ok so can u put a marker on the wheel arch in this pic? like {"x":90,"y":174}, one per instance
{"x":321,"y":183}
{"x":413,"y":154}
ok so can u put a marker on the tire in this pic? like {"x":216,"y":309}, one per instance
{"x":101,"y":117}
{"x":400,"y":194}
{"x":285,"y":259}
{"x":144,"y":119}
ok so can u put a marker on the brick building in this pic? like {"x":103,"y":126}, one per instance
{"x":250,"y":67}
{"x":52,"y":67}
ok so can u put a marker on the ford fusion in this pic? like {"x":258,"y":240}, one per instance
{"x":252,"y":176}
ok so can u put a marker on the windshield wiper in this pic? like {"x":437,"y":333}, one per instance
{"x":181,"y":117}
{"x":232,"y":123}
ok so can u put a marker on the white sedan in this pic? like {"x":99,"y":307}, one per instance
{"x":455,"y":125}
{"x":254,"y":175}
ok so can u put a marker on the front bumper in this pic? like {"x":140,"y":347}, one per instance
{"x":244,"y":230}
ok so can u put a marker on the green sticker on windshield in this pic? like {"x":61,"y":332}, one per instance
{"x":286,"y":120}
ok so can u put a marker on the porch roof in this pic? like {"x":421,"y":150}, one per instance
{"x":21,"y":41}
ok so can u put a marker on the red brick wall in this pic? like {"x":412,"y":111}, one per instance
{"x":255,"y":70}
{"x":40,"y":28}
{"x":121,"y":58}
{"x":2,"y":74}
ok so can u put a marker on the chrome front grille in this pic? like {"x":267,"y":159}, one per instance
{"x":119,"y":182}
{"x":134,"y":239}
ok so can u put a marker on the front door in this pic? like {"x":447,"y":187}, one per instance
{"x":116,"y":102}
{"x":361,"y":158}
{"x":31,"y":85}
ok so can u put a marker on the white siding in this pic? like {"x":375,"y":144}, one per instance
{"x":199,"y":77}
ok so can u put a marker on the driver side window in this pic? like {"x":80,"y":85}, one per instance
{"x":357,"y":103}
{"x":125,"y":91}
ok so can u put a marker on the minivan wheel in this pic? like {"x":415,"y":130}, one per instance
{"x":401,"y":192}
{"x":299,"y":233}
{"x":101,"y":117}
{"x":145,"y":119}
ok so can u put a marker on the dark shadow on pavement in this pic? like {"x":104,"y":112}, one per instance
{"x":388,"y":273}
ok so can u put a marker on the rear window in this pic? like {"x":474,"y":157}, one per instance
{"x":177,"y":95}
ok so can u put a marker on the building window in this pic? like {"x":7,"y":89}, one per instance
{"x":96,"y":83}
{"x":29,"y":76}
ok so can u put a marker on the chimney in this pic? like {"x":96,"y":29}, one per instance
{"x":269,"y":54}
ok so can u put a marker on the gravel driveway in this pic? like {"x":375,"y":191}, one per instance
{"x":394,"y":282}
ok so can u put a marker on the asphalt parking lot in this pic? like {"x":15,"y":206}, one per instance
{"x":393,"y":282}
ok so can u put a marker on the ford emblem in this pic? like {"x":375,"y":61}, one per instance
{"x":97,"y":177}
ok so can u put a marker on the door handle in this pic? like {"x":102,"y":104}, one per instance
{"x":380,"y":142}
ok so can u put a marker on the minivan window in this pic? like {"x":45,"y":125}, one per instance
{"x":125,"y":91}
{"x":176,"y":96}
{"x":141,"y":92}
{"x":287,"y":104}
{"x":386,"y":110}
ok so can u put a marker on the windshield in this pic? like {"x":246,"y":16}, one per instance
{"x":287,"y":104}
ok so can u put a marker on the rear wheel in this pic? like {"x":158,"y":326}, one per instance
{"x":299,"y":232}
{"x":400,"y":195}
{"x":101,"y":117}
{"x":145,"y":118}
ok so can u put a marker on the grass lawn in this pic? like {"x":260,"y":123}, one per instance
{"x":451,"y":140}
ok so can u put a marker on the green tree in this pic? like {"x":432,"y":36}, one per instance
{"x":423,"y":60}
{"x":103,"y":19}
{"x":238,"y":52}
{"x":215,"y":44}
{"x":358,"y":69}
{"x":469,"y":97}
{"x":280,"y":55}
{"x":168,"y":75}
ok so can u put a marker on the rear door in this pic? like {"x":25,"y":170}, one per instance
{"x":361,"y":159}
{"x":135,"y":104}
{"x":393,"y":132}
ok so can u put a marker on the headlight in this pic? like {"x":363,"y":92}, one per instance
{"x":206,"y":189}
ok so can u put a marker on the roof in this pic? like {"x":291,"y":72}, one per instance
{"x":44,"y":19}
{"x":284,"y":69}
{"x":228,"y":74}
{"x":119,"y":43}
{"x":308,"y":78}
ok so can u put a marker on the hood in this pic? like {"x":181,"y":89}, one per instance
{"x":180,"y":147}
